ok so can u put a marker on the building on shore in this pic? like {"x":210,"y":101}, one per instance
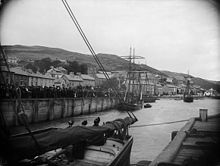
{"x":71,"y":80}
{"x":56,"y":72}
{"x":40,"y":80}
{"x":100,"y":78}
{"x":87,"y":80}
{"x":19,"y":76}
{"x":13,"y":60}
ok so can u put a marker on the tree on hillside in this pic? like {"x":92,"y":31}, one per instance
{"x":84,"y":68}
{"x":43,"y":64}
{"x":31,"y":66}
{"x":56,"y":63}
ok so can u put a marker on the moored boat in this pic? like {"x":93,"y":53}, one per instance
{"x":187,"y":96}
{"x":130,"y":106}
{"x":108,"y":144}
{"x":133,"y":96}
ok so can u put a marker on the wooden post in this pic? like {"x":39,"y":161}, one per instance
{"x":173,"y":134}
{"x":203,"y":114}
{"x":73,"y":106}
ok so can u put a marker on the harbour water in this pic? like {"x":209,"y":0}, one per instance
{"x":150,"y":140}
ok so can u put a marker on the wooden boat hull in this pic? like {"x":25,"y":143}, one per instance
{"x":123,"y":159}
{"x":114,"y":152}
{"x":129,"y":107}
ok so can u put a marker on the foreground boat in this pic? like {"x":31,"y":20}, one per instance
{"x":108,"y":144}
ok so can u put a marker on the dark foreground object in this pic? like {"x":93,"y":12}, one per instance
{"x":108,"y":144}
{"x":196,"y":144}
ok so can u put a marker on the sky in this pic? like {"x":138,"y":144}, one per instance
{"x":173,"y":35}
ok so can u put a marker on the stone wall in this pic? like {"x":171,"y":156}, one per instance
{"x":39,"y":110}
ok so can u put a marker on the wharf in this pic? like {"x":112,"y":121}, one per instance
{"x":196,"y":144}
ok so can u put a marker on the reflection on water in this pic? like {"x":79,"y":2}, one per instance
{"x":150,"y":140}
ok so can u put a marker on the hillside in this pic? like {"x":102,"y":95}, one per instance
{"x":109,"y":61}
{"x":205,"y":84}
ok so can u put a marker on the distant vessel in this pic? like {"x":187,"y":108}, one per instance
{"x":187,"y":96}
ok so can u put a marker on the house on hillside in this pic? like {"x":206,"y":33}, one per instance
{"x":72,"y":80}
{"x":40,"y":80}
{"x":169,"y":80}
{"x":19,"y":76}
{"x":60,"y":82}
{"x":56,"y":72}
{"x":169,"y":89}
{"x":87,"y":80}
{"x":158,"y":90}
{"x":100,"y":78}
{"x":13,"y":60}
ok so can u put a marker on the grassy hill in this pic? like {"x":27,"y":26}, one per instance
{"x":109,"y":61}
{"x":205,"y":84}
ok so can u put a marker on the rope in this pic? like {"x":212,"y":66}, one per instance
{"x":73,"y":18}
{"x":157,"y":124}
{"x":20,"y":107}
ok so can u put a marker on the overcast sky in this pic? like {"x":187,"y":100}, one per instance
{"x":174,"y":35}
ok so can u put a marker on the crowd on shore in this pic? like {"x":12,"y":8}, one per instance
{"x":11,"y":92}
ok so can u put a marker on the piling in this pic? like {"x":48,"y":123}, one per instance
{"x":203,"y":115}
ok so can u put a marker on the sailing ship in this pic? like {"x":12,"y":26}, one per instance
{"x":149,"y":97}
{"x":133,"y":96}
{"x":109,"y":144}
{"x":187,"y":95}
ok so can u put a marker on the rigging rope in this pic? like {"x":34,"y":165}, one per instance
{"x":162,"y":123}
{"x":73,"y":18}
{"x":87,"y":42}
{"x":20,"y":113}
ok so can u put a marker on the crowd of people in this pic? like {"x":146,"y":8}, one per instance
{"x":10,"y":91}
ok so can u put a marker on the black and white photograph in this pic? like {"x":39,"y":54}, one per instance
{"x":109,"y":83}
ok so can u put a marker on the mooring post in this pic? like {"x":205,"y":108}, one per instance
{"x":203,"y":115}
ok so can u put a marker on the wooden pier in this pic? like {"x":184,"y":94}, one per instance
{"x":196,"y":144}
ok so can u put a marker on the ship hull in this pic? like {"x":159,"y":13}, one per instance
{"x":129,"y":107}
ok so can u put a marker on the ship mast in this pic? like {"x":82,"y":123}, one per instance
{"x":131,"y":73}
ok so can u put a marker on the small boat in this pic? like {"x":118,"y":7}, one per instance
{"x":188,"y":98}
{"x":147,"y":105}
{"x":130,"y":106}
{"x":108,"y":144}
